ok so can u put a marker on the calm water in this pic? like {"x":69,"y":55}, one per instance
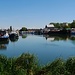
{"x":46,"y":48}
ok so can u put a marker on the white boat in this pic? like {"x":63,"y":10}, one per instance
{"x":4,"y":36}
{"x":73,"y":31}
{"x":13,"y":35}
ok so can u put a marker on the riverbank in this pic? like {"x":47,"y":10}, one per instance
{"x":27,"y":64}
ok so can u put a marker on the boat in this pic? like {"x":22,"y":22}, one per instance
{"x":13,"y":35}
{"x":72,"y":31}
{"x":4,"y":36}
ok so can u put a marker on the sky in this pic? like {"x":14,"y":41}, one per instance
{"x":35,"y":13}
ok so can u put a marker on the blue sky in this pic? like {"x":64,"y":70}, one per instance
{"x":35,"y":13}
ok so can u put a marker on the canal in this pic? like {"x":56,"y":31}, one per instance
{"x":46,"y":48}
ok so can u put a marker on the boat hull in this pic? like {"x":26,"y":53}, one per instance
{"x":65,"y":32}
{"x":72,"y":33}
{"x":4,"y":39}
{"x":13,"y":36}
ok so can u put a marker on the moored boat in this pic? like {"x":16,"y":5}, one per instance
{"x":13,"y":35}
{"x":72,"y":31}
{"x":4,"y":36}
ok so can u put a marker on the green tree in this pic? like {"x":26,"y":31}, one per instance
{"x":57,"y":25}
{"x":23,"y":29}
{"x":72,"y":25}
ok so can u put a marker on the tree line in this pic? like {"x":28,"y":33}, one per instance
{"x":60,"y":25}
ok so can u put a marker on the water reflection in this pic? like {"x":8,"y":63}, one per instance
{"x":55,"y":47}
{"x":3,"y":44}
{"x":52,"y":38}
{"x":14,"y":39}
{"x":24,"y":36}
{"x":58,"y":37}
{"x":72,"y":37}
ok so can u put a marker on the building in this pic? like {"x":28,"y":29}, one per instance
{"x":48,"y":28}
{"x":65,"y":24}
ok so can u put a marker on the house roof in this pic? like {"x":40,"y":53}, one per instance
{"x":50,"y":25}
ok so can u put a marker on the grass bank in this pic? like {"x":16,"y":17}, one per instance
{"x":27,"y":64}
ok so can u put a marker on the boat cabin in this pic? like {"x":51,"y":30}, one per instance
{"x":2,"y":33}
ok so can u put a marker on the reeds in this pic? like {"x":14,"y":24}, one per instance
{"x":27,"y":64}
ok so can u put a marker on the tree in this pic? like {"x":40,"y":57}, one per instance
{"x":23,"y":29}
{"x":57,"y":25}
{"x":72,"y":25}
